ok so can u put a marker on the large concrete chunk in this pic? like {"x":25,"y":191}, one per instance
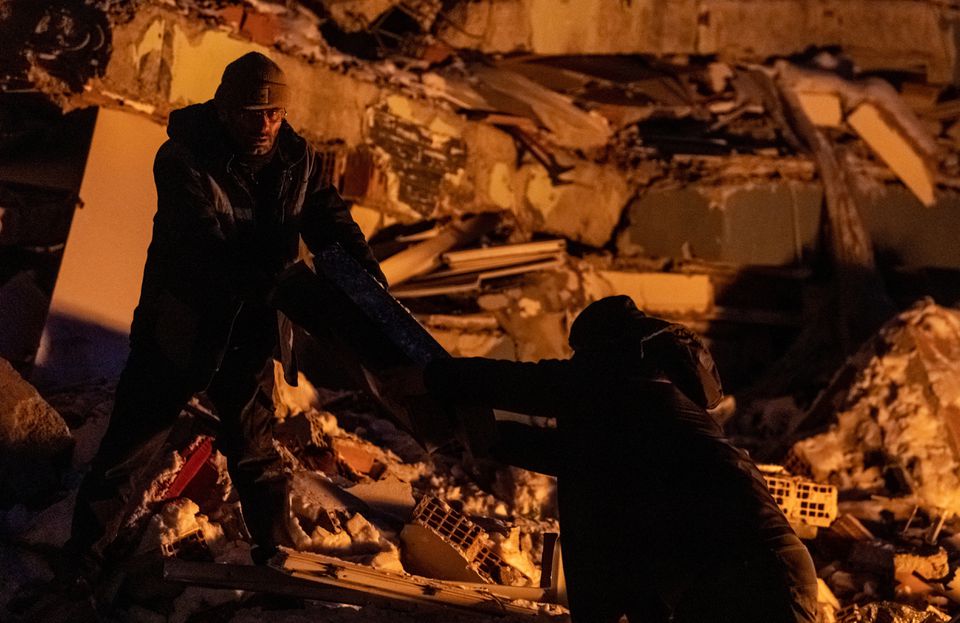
{"x":586,"y":209}
{"x":35,"y":442}
{"x":897,"y":403}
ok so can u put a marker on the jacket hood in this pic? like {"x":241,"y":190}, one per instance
{"x":613,"y":323}
{"x":614,"y":331}
{"x":199,"y":128}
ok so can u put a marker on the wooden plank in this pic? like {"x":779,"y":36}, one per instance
{"x":425,"y":256}
{"x":466,"y":256}
{"x":327,"y":570}
{"x":469,"y":282}
{"x":256,"y":578}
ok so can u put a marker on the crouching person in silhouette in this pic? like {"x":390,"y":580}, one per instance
{"x":663,"y":519}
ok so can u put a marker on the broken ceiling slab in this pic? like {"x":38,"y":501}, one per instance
{"x":901,"y":228}
{"x":741,"y":220}
{"x":895,"y":404}
{"x":35,"y":443}
{"x":576,"y":27}
{"x":901,"y":34}
{"x":568,"y":125}
{"x":884,"y":137}
{"x":357,"y":15}
{"x":823,"y":109}
{"x":878,"y":114}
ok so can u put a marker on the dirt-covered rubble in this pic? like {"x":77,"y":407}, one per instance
{"x":896,"y":407}
{"x":891,"y":556}
{"x":889,"y":447}
{"x":349,"y":494}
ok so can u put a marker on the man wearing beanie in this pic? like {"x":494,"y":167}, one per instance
{"x":663,"y":520}
{"x":237,"y":188}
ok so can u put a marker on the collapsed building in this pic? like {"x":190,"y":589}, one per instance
{"x":777,"y":176}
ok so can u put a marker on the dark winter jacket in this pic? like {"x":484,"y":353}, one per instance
{"x":656,"y":505}
{"x":217,"y":243}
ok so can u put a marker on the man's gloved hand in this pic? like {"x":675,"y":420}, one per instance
{"x":401,"y":381}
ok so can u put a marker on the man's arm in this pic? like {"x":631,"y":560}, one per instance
{"x":544,"y":389}
{"x":326,"y":219}
{"x":187,"y":232}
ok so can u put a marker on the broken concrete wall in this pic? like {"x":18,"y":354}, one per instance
{"x":893,"y":34}
{"x":779,"y":224}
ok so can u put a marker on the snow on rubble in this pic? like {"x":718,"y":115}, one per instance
{"x":900,"y":411}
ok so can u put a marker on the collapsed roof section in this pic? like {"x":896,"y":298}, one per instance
{"x":435,"y":130}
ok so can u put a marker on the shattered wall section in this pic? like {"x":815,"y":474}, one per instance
{"x":427,"y":160}
{"x":421,"y":161}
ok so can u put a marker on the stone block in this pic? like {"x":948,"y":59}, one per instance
{"x":35,"y":443}
{"x":586,"y":209}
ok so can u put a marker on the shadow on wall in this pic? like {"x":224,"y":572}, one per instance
{"x":75,"y":351}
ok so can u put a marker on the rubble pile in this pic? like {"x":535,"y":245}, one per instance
{"x":349,"y":496}
{"x":889,"y":449}
{"x":512,"y":161}
{"x":895,"y":413}
{"x":674,"y":161}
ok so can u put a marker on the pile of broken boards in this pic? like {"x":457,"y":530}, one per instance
{"x":885,"y":433}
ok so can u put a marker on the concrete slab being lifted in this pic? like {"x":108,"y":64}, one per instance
{"x":371,"y":334}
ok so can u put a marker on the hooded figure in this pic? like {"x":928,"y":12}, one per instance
{"x":237,"y":189}
{"x":663,"y":519}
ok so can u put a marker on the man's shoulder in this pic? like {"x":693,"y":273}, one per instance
{"x":175,"y":149}
{"x":174,"y":152}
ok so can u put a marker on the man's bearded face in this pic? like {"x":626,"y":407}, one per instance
{"x":254,"y":131}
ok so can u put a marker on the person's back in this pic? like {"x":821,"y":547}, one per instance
{"x":659,"y":495}
{"x":662,"y":518}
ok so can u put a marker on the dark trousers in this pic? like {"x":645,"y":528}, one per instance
{"x":151,"y":394}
